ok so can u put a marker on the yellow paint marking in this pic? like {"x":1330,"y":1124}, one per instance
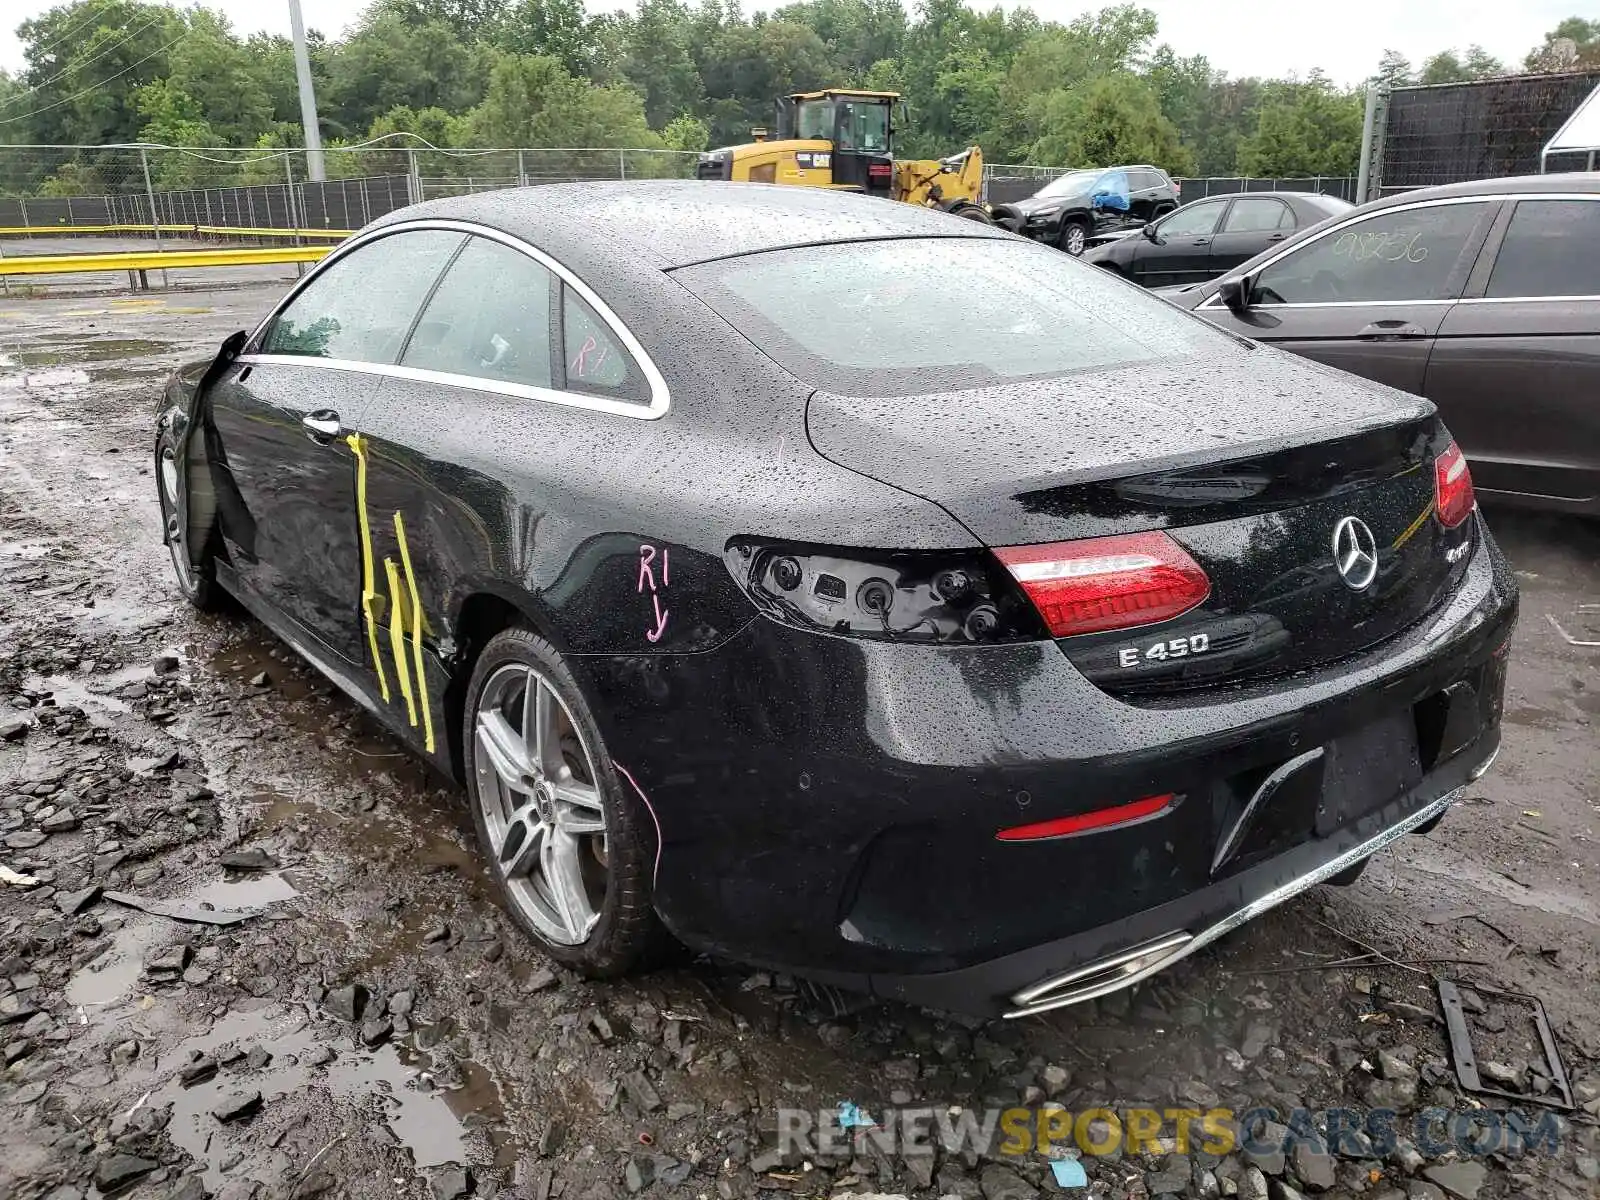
{"x":369,"y":591}
{"x":397,"y":637}
{"x":416,"y":633}
{"x":1411,"y":530}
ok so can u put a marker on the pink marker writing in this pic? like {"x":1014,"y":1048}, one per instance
{"x":647,"y":559}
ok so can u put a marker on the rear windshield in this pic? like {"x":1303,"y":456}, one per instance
{"x":909,"y":317}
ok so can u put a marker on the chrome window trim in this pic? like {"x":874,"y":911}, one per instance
{"x":499,"y":387}
{"x":660,"y":397}
{"x":1525,"y":299}
{"x":1215,"y":299}
{"x":1351,"y":304}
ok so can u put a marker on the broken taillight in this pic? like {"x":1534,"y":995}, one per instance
{"x":1452,"y":485}
{"x":1103,"y":583}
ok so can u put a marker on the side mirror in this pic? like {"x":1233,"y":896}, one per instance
{"x":1235,"y":293}
{"x":1150,"y":233}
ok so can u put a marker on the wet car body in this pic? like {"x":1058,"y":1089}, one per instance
{"x":790,"y":609}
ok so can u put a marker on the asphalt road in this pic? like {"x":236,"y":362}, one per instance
{"x":141,"y":743}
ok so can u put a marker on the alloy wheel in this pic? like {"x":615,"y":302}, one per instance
{"x":174,"y":527}
{"x":540,"y":800}
{"x":1074,"y":241}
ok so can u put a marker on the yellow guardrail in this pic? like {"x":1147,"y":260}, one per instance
{"x":210,"y":230}
{"x":155,"y":260}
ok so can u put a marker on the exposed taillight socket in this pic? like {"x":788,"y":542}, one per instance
{"x":1116,"y":582}
{"x":1454,"y":499}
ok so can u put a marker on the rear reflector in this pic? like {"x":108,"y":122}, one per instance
{"x":1107,"y":583}
{"x":1100,"y":818}
{"x":1452,"y":483}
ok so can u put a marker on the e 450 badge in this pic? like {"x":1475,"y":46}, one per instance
{"x":1180,"y":647}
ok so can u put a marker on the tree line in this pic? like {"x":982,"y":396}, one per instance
{"x":685,"y":76}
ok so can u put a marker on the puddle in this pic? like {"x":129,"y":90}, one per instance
{"x":429,"y":1119}
{"x":25,"y":550}
{"x":113,"y":978}
{"x":76,"y":693}
{"x":50,"y":377}
{"x":75,"y":348}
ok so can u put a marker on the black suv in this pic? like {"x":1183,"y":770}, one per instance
{"x":1075,"y":207}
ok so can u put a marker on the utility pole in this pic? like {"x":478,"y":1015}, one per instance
{"x":308,"y":99}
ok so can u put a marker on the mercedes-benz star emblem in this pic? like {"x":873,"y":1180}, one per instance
{"x":1355,"y":553}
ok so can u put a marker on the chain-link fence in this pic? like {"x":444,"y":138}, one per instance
{"x":1450,"y":133}
{"x":242,"y":195}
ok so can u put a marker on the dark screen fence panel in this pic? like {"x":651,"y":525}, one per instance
{"x":1486,"y":129}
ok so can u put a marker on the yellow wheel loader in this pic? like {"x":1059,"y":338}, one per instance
{"x":843,"y":138}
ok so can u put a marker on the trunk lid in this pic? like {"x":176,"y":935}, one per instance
{"x":1250,"y":462}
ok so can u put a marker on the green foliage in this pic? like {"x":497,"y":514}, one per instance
{"x":1310,"y":128}
{"x":672,"y":75}
{"x":1111,"y":119}
{"x":533,"y":101}
{"x":1556,"y":54}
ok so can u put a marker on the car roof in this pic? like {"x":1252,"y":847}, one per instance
{"x":1577,"y":181}
{"x":674,"y":222}
{"x":1268,"y":195}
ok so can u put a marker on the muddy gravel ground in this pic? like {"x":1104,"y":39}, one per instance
{"x":371,"y":1024}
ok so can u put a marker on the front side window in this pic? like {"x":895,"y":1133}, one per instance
{"x":1551,"y":248}
{"x":814,"y":120}
{"x":858,"y":318}
{"x":595,"y":362}
{"x":1195,"y":221}
{"x":359,"y":307}
{"x":1401,"y":255}
{"x":1258,"y":216}
{"x":488,"y":319}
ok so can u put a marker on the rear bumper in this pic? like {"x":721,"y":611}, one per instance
{"x":829,"y":805}
{"x":1122,"y":953}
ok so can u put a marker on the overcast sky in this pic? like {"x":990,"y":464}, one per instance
{"x":1242,"y":37}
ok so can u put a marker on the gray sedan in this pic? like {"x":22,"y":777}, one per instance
{"x":1484,"y":297}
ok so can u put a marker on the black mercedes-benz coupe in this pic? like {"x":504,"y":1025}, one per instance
{"x":846,"y":587}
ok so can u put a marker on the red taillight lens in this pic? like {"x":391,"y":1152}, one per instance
{"x":1452,"y":487}
{"x":1107,"y":583}
{"x":1100,"y":818}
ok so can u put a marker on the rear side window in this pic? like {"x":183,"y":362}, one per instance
{"x":359,"y":307}
{"x":876,"y":318}
{"x":1402,"y":255}
{"x":489,"y":319}
{"x":1258,"y":216}
{"x":595,"y":363}
{"x":1551,"y":248}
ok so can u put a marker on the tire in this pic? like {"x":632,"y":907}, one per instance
{"x":1349,"y":875}
{"x":973,"y":213}
{"x":197,"y":583}
{"x":1074,"y":237}
{"x":601,"y":920}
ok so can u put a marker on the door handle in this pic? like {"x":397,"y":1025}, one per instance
{"x":1277,"y":237}
{"x":1385,"y":331}
{"x":1202,"y":241}
{"x":322,"y":426}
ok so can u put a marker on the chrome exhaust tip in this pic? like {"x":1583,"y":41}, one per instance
{"x":1101,"y":977}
